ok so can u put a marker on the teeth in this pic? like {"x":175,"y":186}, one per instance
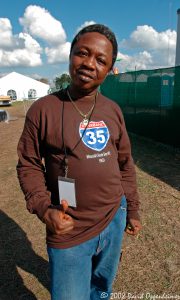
{"x":84,"y":77}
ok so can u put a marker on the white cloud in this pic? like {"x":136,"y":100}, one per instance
{"x":87,"y":23}
{"x":39,"y":23}
{"x":23,"y":49}
{"x":30,"y":43}
{"x":8,"y":41}
{"x":5,"y":33}
{"x":139,"y":61}
{"x":28,"y":54}
{"x":58,"y":54}
{"x":19,"y":57}
{"x":147,"y":37}
{"x":151,"y":49}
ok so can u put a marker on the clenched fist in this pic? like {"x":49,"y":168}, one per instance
{"x":57,"y":221}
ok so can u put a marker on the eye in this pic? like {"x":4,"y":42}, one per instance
{"x":82,"y":53}
{"x":101,"y":61}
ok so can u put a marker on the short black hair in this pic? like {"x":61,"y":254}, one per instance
{"x":102,"y":29}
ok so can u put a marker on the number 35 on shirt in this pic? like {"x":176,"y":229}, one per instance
{"x":96,"y":135}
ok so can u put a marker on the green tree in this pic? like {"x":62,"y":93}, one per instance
{"x":62,"y":81}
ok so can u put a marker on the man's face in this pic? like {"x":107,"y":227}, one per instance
{"x":90,"y":61}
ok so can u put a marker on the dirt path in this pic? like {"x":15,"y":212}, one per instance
{"x":150,"y":263}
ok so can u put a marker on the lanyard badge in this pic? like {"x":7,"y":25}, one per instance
{"x":67,"y":187}
{"x":67,"y":190}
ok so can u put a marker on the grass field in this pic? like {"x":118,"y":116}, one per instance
{"x":150,"y":264}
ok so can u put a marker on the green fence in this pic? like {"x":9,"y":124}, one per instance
{"x":150,"y":101}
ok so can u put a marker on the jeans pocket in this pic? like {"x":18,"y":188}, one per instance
{"x":123,"y":204}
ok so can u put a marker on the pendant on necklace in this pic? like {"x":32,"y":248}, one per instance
{"x":85,"y":121}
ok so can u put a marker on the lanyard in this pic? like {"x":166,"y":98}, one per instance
{"x":65,"y":159}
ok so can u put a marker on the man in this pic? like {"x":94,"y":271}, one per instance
{"x":81,"y":135}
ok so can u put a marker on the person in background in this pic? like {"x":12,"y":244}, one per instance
{"x":80,"y":136}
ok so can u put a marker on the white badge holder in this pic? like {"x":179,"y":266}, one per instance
{"x":67,"y":190}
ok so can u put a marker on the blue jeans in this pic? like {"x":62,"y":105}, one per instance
{"x":87,"y":271}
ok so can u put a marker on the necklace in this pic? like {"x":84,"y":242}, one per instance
{"x":85,"y":116}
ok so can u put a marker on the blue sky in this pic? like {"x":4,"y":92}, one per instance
{"x":35,"y":36}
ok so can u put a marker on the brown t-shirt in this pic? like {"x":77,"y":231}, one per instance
{"x":99,"y":160}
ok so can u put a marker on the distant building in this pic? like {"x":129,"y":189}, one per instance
{"x":21,"y":87}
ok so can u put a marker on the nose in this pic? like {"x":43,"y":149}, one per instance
{"x":89,"y":62}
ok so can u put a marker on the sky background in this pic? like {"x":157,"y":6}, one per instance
{"x":35,"y":36}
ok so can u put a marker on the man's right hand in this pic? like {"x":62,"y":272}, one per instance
{"x":58,"y":221}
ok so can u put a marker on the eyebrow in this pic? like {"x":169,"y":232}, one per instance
{"x":89,"y":49}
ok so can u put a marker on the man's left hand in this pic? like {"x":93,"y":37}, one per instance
{"x":133,"y":227}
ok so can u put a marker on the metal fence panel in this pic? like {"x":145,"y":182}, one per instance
{"x":150,"y":101}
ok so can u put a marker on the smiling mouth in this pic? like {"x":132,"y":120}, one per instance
{"x":84,"y":76}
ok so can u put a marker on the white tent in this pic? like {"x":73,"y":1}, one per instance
{"x":22,"y":87}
